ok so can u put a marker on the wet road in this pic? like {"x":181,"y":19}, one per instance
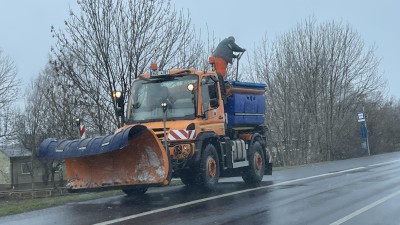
{"x":357,"y":191}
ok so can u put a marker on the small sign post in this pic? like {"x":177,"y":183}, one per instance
{"x":82,"y":131}
{"x":364,"y":131}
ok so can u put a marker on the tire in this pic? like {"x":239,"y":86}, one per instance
{"x":254,"y":173}
{"x":188,"y":177}
{"x":135,"y":191}
{"x":209,"y":168}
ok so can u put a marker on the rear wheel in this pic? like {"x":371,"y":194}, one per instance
{"x":254,"y":173}
{"x":209,"y":168}
{"x":135,"y":191}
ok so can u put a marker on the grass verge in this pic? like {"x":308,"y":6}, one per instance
{"x":286,"y":167}
{"x":15,"y":206}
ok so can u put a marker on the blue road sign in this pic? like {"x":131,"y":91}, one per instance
{"x":364,"y":133}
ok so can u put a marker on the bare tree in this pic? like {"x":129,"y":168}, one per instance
{"x":318,"y":76}
{"x":383,"y":130}
{"x":7,"y":119}
{"x":62,"y":104}
{"x":110,"y":43}
{"x":46,"y":114}
{"x":8,"y":80}
{"x":9,"y":85}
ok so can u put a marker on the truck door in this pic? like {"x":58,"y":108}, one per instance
{"x":210,"y":96}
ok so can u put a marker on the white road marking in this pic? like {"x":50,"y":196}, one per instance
{"x":226,"y":195}
{"x":316,"y":176}
{"x":220,"y":196}
{"x":384,"y":163}
{"x":368,"y":207}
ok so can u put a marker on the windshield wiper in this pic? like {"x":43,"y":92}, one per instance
{"x":161,"y":78}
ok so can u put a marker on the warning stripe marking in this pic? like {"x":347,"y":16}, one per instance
{"x":174,"y":135}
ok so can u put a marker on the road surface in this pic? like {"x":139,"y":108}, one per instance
{"x":357,"y":191}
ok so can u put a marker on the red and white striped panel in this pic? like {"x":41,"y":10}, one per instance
{"x":82,"y":131}
{"x":174,"y":135}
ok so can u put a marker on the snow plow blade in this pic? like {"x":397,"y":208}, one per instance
{"x":133,"y":157}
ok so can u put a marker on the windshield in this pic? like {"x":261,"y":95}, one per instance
{"x":148,"y":94}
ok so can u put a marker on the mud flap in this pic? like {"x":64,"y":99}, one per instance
{"x":268,"y":168}
{"x":132,"y":157}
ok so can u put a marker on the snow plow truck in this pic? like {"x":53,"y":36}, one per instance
{"x":182,"y":123}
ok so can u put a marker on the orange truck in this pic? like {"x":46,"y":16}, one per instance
{"x":187,"y":124}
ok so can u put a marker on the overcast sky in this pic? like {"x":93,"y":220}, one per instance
{"x":25,"y":26}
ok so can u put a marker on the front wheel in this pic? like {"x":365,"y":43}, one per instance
{"x":254,"y":173}
{"x":209,"y":168}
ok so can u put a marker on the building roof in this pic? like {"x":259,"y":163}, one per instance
{"x":15,"y":150}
